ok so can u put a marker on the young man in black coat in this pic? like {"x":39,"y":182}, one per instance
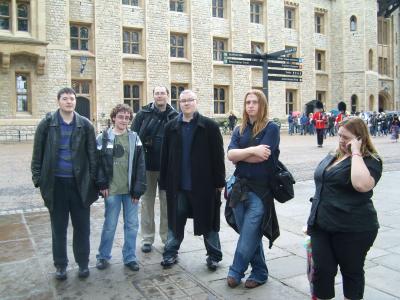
{"x":193,"y":175}
{"x":64,"y":168}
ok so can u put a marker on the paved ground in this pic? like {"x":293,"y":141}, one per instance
{"x":26,"y":270}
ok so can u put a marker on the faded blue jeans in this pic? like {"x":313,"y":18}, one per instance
{"x":249,"y":250}
{"x":131,"y":226}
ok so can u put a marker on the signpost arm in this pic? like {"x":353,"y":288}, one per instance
{"x":265,"y":78}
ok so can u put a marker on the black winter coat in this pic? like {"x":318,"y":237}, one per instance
{"x":149,"y":123}
{"x":208,"y":173}
{"x":44,"y":158}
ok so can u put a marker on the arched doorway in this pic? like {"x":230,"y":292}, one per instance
{"x":83,"y":106}
{"x":384,"y":102}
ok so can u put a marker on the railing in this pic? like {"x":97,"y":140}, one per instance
{"x":16,"y":135}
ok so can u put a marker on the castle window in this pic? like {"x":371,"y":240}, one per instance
{"x":79,"y":37}
{"x":219,"y":47}
{"x":218,"y":7}
{"x":256,"y":12}
{"x":22,"y":92}
{"x":5,"y":15}
{"x":177,"y":5}
{"x":133,"y":95}
{"x":131,"y":41}
{"x":220,"y":99}
{"x":353,"y":23}
{"x":177,"y":45}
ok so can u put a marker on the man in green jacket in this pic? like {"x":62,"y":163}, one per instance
{"x":64,"y":168}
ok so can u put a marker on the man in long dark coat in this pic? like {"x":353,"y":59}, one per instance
{"x":193,"y":175}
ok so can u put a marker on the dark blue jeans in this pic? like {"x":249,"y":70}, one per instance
{"x":211,"y":239}
{"x":67,"y":201}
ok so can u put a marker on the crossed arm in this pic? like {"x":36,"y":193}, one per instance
{"x":253,"y":154}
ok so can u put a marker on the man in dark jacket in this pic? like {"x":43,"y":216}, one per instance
{"x":64,"y":168}
{"x":149,"y":123}
{"x":193,"y":175}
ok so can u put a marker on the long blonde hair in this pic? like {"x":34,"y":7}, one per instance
{"x":262,"y":114}
{"x":358,"y":128}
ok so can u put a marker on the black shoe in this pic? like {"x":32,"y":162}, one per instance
{"x":83,"y":272}
{"x":133,"y":266}
{"x":212,"y":264}
{"x":169,"y":262}
{"x":61,"y":273}
{"x":101,"y":264}
{"x":146,"y":248}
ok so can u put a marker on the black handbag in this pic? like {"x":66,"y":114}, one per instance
{"x":282,"y":183}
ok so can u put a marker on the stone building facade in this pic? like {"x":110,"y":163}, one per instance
{"x":114,"y":51}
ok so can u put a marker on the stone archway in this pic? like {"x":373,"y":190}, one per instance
{"x":83,"y":106}
{"x":384,"y":102}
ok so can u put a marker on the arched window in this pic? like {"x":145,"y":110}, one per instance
{"x":354,"y":104}
{"x":370,"y":59}
{"x":353,"y":23}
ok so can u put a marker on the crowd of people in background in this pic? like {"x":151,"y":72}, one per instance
{"x":379,"y":123}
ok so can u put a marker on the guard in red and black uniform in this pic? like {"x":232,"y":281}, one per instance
{"x":318,"y":118}
{"x":342,"y":113}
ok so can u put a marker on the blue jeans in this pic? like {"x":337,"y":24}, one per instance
{"x":211,"y":239}
{"x":249,"y":250}
{"x":131,"y":226}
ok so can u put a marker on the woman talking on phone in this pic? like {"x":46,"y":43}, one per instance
{"x":343,"y":223}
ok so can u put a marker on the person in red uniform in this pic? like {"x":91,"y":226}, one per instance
{"x":342,"y":113}
{"x":318,"y":118}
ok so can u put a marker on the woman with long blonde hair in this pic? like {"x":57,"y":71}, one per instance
{"x":343,"y":223}
{"x":254,"y":149}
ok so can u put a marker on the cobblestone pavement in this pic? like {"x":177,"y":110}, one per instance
{"x":299,"y":153}
{"x":26,"y":270}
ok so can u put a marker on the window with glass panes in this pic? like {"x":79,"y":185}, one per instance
{"x":290,"y":99}
{"x":354,"y":100}
{"x":131,"y":41}
{"x":220,"y":100}
{"x":177,"y":45}
{"x":320,"y":60}
{"x":79,"y":36}
{"x":319,"y":23}
{"x":81,"y":87}
{"x":383,"y":31}
{"x":257,"y":48}
{"x":256,"y":12}
{"x":289,"y":17}
{"x":177,"y":5}
{"x":176,"y":90}
{"x":21,"y":82}
{"x":133,"y":95}
{"x":5,"y":15}
{"x":219,"y":46}
{"x":23,"y":16}
{"x":131,"y":2}
{"x":218,"y":8}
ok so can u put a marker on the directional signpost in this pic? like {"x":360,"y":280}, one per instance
{"x":287,"y":68}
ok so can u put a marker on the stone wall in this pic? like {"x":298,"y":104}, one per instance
{"x":346,"y":54}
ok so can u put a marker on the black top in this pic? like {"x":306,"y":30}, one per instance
{"x":268,"y":136}
{"x":336,"y":205}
